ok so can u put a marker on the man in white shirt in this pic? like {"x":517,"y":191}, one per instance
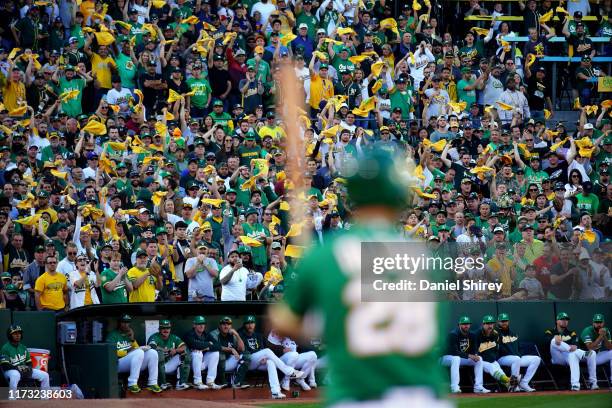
{"x":201,"y":270}
{"x":119,"y":95}
{"x":517,"y":100}
{"x":265,"y":8}
{"x":493,"y":86}
{"x":234,"y":279}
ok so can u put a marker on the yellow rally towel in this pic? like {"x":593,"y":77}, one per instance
{"x":377,"y":67}
{"x":158,"y":196}
{"x":287,"y":38}
{"x":420,"y":193}
{"x":294,"y":230}
{"x":18,"y":111}
{"x":250,"y":241}
{"x":480,"y":31}
{"x":348,"y":30}
{"x":530,"y":60}
{"x":547,"y":114}
{"x":104,"y":38}
{"x":294,"y":251}
{"x":68,"y":95}
{"x":415,"y":5}
{"x":504,"y":106}
{"x":190,"y":20}
{"x":546,"y":17}
{"x":215,"y":202}
{"x":458,"y":106}
{"x":31,"y":220}
{"x":95,"y":128}
{"x":438,"y":146}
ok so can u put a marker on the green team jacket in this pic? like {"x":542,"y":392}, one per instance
{"x":13,"y":356}
{"x":157,"y":342}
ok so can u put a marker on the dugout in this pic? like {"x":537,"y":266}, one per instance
{"x":92,"y":364}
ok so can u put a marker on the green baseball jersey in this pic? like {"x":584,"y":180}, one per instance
{"x":14,"y":355}
{"x":248,"y":153}
{"x":122,"y":340}
{"x":589,"y":335}
{"x":72,"y":107}
{"x":173,"y":341}
{"x":119,"y":294}
{"x":365,"y":337}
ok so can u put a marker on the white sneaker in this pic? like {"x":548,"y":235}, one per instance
{"x":482,"y":390}
{"x":312,"y":384}
{"x":575,"y":387}
{"x":297,"y":374}
{"x":303,"y":384}
{"x":286,"y":385}
{"x":278,"y":395}
{"x":181,"y":386}
{"x":165,"y":386}
{"x":213,"y":386}
{"x":594,"y":386}
{"x":525,"y":387}
{"x":455,"y":391}
{"x":200,"y":386}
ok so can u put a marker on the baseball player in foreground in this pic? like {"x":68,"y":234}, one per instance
{"x":461,"y":351}
{"x":596,"y":338}
{"x":564,"y":351}
{"x":373,"y":361}
{"x":509,"y":354}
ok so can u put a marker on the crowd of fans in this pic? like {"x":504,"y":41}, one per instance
{"x":143,"y":154}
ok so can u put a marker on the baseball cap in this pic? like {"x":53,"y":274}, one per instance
{"x":199,"y":320}
{"x":249,"y":319}
{"x":488,"y":319}
{"x":588,"y":126}
{"x":464,"y":320}
{"x":165,"y":324}
{"x":303,"y":25}
{"x":498,"y":229}
{"x":562,"y":316}
{"x":597,"y":317}
{"x":276,"y":245}
{"x":10,"y":288}
{"x":225,"y":319}
{"x":503,"y":316}
{"x":125,"y":318}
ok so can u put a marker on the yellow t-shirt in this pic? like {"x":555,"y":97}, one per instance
{"x":146,"y":291}
{"x":13,"y":95}
{"x":503,"y":270}
{"x":51,"y":289}
{"x":99,"y":66}
{"x":320,"y":89}
{"x":88,"y":300}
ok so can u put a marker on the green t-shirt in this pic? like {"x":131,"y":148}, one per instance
{"x":119,"y":294}
{"x":260,"y":256}
{"x":72,"y":107}
{"x":248,"y":153}
{"x":589,"y":335}
{"x":343,"y":64}
{"x":77,"y":32}
{"x":14,"y":355}
{"x":172,"y":342}
{"x":310,"y":21}
{"x":263,"y":69}
{"x":533,"y":176}
{"x":127,"y":70}
{"x":463,"y":95}
{"x":202,"y":91}
{"x":366,"y":337}
{"x":225,"y":120}
{"x":402,"y":100}
{"x":589,"y":203}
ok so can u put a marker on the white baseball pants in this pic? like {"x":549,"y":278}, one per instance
{"x":271,"y":364}
{"x":202,"y":361}
{"x":515,"y":363}
{"x":305,"y":362}
{"x":135,"y":362}
{"x":13,"y":377}
{"x":454,"y":362}
{"x":561,"y":354}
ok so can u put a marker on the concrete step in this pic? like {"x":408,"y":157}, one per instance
{"x":227,"y":394}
